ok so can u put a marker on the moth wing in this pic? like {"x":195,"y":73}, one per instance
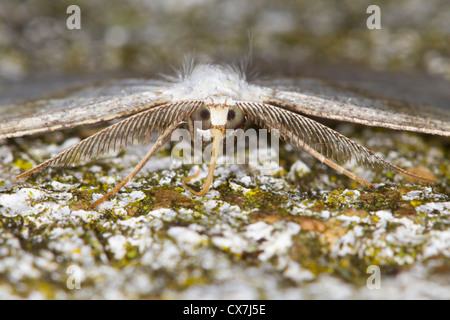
{"x":368,"y":103}
{"x":70,"y":107}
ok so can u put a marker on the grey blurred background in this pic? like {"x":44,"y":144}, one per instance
{"x":289,"y":37}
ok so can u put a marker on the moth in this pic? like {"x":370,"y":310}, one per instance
{"x":220,"y":97}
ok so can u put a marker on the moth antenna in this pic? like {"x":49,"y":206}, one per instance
{"x":118,"y":136}
{"x":217,"y":139}
{"x":333,"y":164}
{"x":320,"y":141}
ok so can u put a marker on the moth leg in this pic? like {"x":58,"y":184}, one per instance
{"x":340,"y":169}
{"x":333,"y":164}
{"x":35,"y":169}
{"x":352,"y":176}
{"x":217,"y":139}
{"x":163,"y":138}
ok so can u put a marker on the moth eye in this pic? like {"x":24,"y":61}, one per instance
{"x":231,"y":115}
{"x":235,"y":118}
{"x":202,"y":115}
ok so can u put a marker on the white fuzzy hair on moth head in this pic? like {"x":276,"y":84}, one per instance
{"x":199,"y":81}
{"x":242,"y":67}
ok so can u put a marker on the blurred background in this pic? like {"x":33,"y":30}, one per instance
{"x":289,"y":37}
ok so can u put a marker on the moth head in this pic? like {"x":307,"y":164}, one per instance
{"x":219,"y":116}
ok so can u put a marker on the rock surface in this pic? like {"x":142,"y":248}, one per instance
{"x":302,"y":232}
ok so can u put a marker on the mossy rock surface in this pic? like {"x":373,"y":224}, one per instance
{"x":251,"y":236}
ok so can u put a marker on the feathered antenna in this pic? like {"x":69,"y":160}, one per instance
{"x":323,"y":143}
{"x":164,"y":119}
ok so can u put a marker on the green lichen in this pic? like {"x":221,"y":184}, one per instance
{"x":264,"y":201}
{"x":23,"y":165}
